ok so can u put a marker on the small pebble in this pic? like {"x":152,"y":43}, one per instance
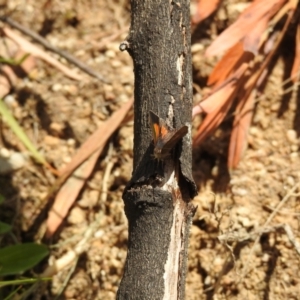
{"x":77,"y":216}
{"x":71,"y":142}
{"x":56,"y":87}
{"x":110,"y":54}
{"x":197,"y":47}
{"x":10,"y":101}
{"x":51,"y":140}
{"x":67,"y":159}
{"x":294,"y":156}
{"x":4,"y":152}
{"x":290,"y":181}
{"x":14,"y":161}
{"x":294,"y":148}
{"x":265,"y":257}
{"x":116,"y":64}
{"x":57,"y":127}
{"x":207,"y":280}
{"x":291,"y":136}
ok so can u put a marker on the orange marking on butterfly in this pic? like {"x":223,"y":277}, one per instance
{"x":164,"y":137}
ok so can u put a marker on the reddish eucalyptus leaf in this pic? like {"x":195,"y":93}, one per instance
{"x":221,"y":94}
{"x":253,"y":39}
{"x":296,"y":65}
{"x":68,"y":193}
{"x":7,"y":79}
{"x":241,"y":124}
{"x":204,"y":9}
{"x":213,"y":120}
{"x":229,"y":63}
{"x":84,"y":160}
{"x":246,"y":22}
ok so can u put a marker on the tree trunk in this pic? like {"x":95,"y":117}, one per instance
{"x":157,"y":199}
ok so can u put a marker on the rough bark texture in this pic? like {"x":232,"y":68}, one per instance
{"x":157,"y":197}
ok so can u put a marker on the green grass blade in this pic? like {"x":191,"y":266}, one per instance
{"x":16,"y":128}
{"x":23,"y":281}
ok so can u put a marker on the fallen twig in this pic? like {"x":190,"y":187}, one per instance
{"x":36,"y":37}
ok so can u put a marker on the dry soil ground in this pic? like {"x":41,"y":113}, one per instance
{"x":233,"y":253}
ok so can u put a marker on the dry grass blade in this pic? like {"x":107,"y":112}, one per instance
{"x":17,"y":129}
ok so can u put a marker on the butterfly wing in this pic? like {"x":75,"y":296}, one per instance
{"x":154,"y":121}
{"x":167,"y":142}
{"x":164,"y":138}
{"x":174,"y":137}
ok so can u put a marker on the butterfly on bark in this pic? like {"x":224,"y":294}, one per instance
{"x":164,"y":137}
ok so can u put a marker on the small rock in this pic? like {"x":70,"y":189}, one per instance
{"x":255,"y":131}
{"x":56,"y":87}
{"x":71,"y":142}
{"x":57,"y":128}
{"x":265,"y":258}
{"x":71,"y":89}
{"x":110,"y":54}
{"x":290,"y":180}
{"x":14,"y":161}
{"x":292,"y":136}
{"x":294,"y":148}
{"x":239,"y":191}
{"x":10,"y":101}
{"x":215,"y":171}
{"x":89,"y":200}
{"x":67,"y":159}
{"x":51,"y":140}
{"x":294,"y":156}
{"x":4,"y":152}
{"x":207,"y":280}
{"x":77,"y":216}
{"x":116,"y":64}
{"x":243,"y":211}
{"x":245,"y":222}
{"x":197,"y":47}
{"x":17,"y":160}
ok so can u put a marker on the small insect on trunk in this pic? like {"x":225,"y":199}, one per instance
{"x":164,"y":137}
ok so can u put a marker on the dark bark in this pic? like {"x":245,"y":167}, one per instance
{"x":157,"y":199}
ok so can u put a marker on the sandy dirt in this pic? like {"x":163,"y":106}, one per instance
{"x":245,"y":233}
